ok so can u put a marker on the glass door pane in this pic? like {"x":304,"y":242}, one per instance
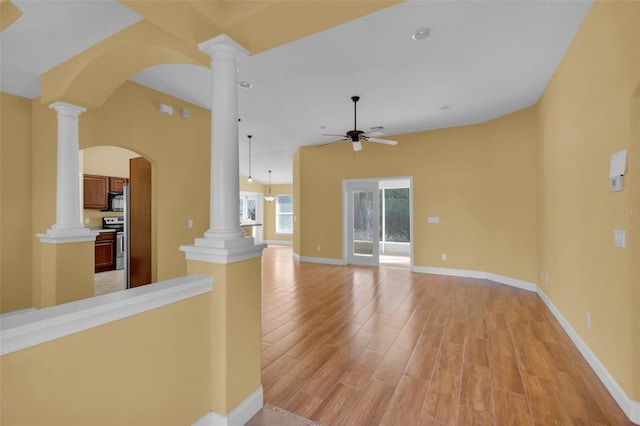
{"x":362,"y":223}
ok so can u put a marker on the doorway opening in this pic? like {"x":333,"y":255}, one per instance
{"x":120,"y":262}
{"x":377,"y":222}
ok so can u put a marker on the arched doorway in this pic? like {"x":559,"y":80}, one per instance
{"x":123,"y":254}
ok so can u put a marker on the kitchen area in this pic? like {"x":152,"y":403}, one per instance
{"x":105,"y":172}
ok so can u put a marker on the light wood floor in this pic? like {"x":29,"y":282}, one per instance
{"x":365,"y":346}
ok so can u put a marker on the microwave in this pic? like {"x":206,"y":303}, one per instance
{"x":115,"y":202}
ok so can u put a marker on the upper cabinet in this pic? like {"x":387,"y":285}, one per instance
{"x":116,"y":184}
{"x":97,"y":188}
{"x":95,"y":192}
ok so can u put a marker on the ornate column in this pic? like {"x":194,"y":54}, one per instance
{"x":67,"y":255}
{"x":226,"y":254}
{"x":224,"y":241}
{"x":68,"y":227}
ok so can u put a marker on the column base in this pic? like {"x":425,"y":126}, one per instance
{"x":223,"y":251}
{"x":56,"y":235}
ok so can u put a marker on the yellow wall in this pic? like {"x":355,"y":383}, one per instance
{"x":15,"y":202}
{"x":147,"y":369}
{"x":588,"y":112}
{"x":235,"y":336}
{"x":480,"y":180}
{"x":67,"y":273}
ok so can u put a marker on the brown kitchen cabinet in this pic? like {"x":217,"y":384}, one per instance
{"x":95,"y":191}
{"x":105,"y":252}
{"x":116,"y":184}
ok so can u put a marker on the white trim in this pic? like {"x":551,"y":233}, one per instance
{"x":324,"y":260}
{"x":240,"y":415}
{"x":67,"y":235}
{"x":223,"y":251}
{"x":450,"y":272}
{"x":43,"y":325}
{"x":18,"y":312}
{"x":513,"y":282}
{"x":279,"y":242}
{"x":629,"y":407}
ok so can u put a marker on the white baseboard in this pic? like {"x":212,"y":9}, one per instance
{"x":630,"y":407}
{"x":240,"y":415}
{"x":279,"y":243}
{"x":513,"y":282}
{"x":324,"y":260}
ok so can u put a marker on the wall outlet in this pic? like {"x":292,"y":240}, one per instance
{"x":319,"y":248}
{"x":588,"y":320}
{"x":87,"y":220}
{"x":444,"y":256}
{"x":190,"y":223}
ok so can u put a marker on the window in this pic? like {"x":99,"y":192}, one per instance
{"x":284,"y":214}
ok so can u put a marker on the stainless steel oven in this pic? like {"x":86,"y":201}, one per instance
{"x":117,"y":223}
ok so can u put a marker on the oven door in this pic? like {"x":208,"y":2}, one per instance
{"x":120,"y":250}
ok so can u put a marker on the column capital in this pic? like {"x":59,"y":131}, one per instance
{"x":64,"y":108}
{"x":223,"y":44}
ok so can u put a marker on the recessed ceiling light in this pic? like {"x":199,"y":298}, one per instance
{"x":245,"y":84}
{"x":422,"y":33}
{"x":445,"y":107}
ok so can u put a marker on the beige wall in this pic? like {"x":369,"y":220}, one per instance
{"x":148,"y":369}
{"x":480,"y":180}
{"x":15,"y":203}
{"x":588,"y":112}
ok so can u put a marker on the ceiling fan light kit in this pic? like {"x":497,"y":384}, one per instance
{"x":357,"y":136}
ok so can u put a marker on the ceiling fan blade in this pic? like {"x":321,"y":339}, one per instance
{"x":337,"y":136}
{"x":372,"y":133}
{"x":357,"y":146}
{"x":384,"y":141}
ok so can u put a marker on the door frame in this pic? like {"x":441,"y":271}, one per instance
{"x":347,"y":184}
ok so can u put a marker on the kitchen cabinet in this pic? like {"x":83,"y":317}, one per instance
{"x":95,"y":191}
{"x":116,"y":184}
{"x":105,"y":252}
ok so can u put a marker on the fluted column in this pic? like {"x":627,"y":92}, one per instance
{"x":68,"y":227}
{"x":224,"y":241}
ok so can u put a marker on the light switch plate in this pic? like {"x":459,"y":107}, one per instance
{"x":433,"y":219}
{"x":615,"y":183}
{"x":619,"y":236}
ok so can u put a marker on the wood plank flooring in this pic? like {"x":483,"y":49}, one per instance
{"x":346,"y":345}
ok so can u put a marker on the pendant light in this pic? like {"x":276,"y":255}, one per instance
{"x":250,"y":179}
{"x":269,"y":198}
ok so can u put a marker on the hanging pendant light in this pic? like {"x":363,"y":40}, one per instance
{"x":269,"y":198}
{"x":250,"y":179}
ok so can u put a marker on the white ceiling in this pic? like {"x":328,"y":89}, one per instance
{"x":483,"y":60}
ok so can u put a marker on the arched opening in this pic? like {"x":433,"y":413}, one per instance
{"x":122,"y":259}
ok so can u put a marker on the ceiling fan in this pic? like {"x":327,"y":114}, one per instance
{"x":357,"y":136}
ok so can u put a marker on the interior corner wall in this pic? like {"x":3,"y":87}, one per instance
{"x":297,"y":196}
{"x":15,"y":203}
{"x":480,"y":180}
{"x":588,"y":112}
